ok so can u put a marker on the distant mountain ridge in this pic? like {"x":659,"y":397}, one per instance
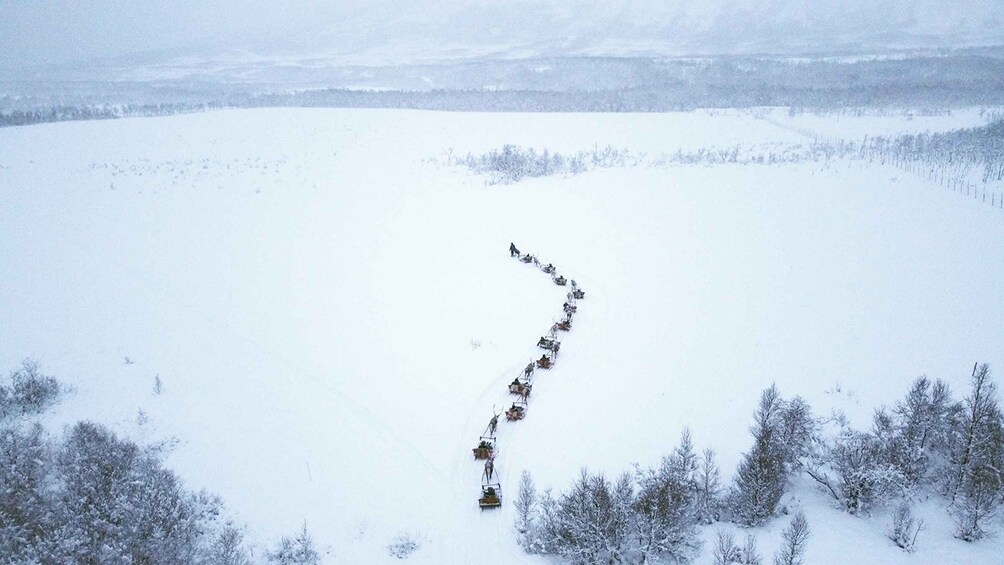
{"x":399,"y":32}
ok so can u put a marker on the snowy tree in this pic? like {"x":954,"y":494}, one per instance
{"x":665,"y":506}
{"x":725,"y":550}
{"x":91,"y":497}
{"x":797,"y":430}
{"x":228,"y":548}
{"x":546,"y":537}
{"x":621,"y":542}
{"x":759,"y":483}
{"x":863,"y":477}
{"x":118,"y":501}
{"x":977,"y":502}
{"x":972,"y":443}
{"x":975,"y":457}
{"x":748,"y":554}
{"x":25,"y":509}
{"x":586,"y":519}
{"x":922,"y":423}
{"x":796,"y":535}
{"x":912,"y":437}
{"x":526,"y":503}
{"x":760,"y":478}
{"x":709,"y":488}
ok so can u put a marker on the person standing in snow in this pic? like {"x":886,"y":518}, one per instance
{"x":513,"y":252}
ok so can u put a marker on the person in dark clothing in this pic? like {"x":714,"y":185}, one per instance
{"x":513,"y":252}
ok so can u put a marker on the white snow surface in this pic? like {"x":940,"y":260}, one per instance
{"x":333,"y":313}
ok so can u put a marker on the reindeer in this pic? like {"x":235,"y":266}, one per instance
{"x":493,"y":424}
{"x":489,"y":468}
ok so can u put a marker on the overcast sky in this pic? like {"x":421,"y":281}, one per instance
{"x":35,"y":32}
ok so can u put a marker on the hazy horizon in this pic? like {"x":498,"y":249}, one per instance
{"x":395,"y":32}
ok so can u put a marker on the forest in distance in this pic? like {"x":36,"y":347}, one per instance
{"x":926,"y":83}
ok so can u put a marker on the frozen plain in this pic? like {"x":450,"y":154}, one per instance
{"x":333,"y":314}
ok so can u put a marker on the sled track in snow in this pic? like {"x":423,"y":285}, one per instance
{"x":487,"y":448}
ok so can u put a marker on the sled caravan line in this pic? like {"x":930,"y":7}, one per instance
{"x":486,"y":450}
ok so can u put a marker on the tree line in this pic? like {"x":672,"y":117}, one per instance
{"x":552,"y":85}
{"x":89,"y":496}
{"x":926,"y":444}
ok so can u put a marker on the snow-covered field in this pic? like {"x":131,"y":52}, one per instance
{"x":333,"y":314}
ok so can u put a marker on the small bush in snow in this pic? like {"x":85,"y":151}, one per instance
{"x":297,"y":551}
{"x":905,"y":528}
{"x":726,"y":552}
{"x":403,"y":546}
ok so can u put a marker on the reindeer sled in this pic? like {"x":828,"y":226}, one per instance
{"x":577,"y":292}
{"x":485,"y":448}
{"x":491,"y":496}
{"x":520,"y":387}
{"x":517,"y":411}
{"x":544,"y":362}
{"x":549,"y":343}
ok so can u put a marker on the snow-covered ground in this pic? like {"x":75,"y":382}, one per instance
{"x":333,"y":313}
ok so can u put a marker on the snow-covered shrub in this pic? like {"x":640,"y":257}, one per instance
{"x":905,"y":528}
{"x":117,"y":501}
{"x":228,"y":548}
{"x":403,"y":546}
{"x":513,"y":163}
{"x":863,"y":479}
{"x":297,"y":551}
{"x":92,"y":497}
{"x":726,"y":552}
{"x":28,"y":392}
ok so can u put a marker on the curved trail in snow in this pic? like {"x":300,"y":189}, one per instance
{"x":480,"y":536}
